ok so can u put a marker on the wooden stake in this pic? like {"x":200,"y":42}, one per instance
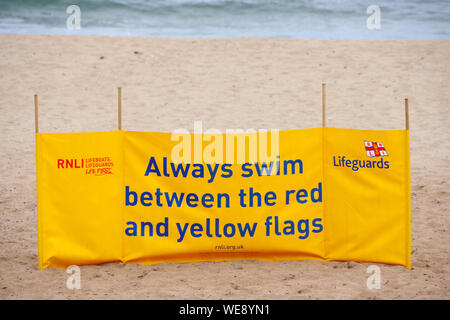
{"x":119,"y":101}
{"x":36,"y":114}
{"x":324,"y":101}
{"x":406,"y":114}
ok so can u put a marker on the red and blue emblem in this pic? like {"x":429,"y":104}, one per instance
{"x":375,"y":149}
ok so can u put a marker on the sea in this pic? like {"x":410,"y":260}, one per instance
{"x":306,"y":19}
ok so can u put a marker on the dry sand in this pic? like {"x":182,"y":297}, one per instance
{"x":235,"y":83}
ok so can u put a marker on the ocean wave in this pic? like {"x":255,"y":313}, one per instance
{"x":231,"y":18}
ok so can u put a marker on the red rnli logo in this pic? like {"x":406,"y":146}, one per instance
{"x":97,"y":166}
{"x":375,"y":149}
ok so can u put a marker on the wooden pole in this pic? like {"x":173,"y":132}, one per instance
{"x":119,"y":101}
{"x":36,"y":114}
{"x":324,"y":102}
{"x":406,"y":114}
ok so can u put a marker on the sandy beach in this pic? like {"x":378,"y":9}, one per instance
{"x":226,"y":83}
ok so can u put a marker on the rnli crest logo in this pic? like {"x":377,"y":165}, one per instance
{"x":375,"y":149}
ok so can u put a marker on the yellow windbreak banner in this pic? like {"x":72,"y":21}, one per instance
{"x":79,"y":195}
{"x":161,"y":197}
{"x":367,"y":195}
